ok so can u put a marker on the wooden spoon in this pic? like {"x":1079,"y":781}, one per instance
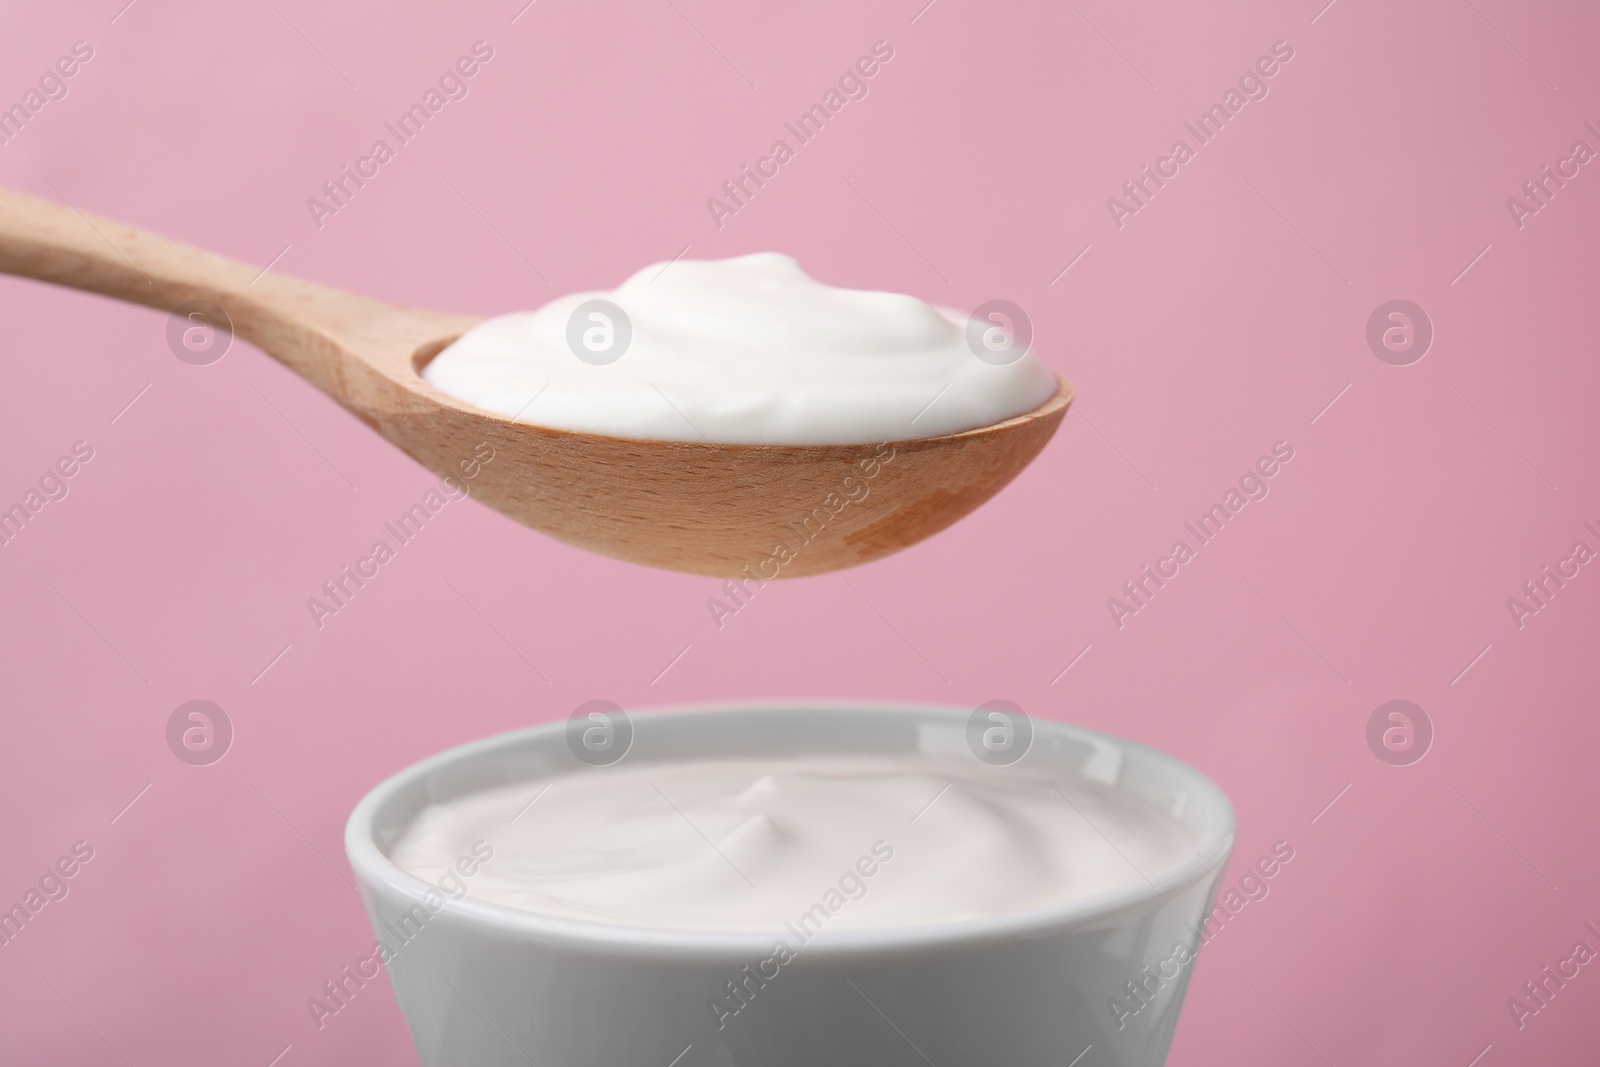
{"x":734,"y":511}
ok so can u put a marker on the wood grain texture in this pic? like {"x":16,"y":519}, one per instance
{"x":740,"y":511}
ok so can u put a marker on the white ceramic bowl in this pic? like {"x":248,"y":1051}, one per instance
{"x":485,"y":985}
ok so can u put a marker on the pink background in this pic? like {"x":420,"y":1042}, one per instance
{"x":1223,"y":317}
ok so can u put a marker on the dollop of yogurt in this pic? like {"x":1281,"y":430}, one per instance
{"x":749,"y":350}
{"x":805,"y":844}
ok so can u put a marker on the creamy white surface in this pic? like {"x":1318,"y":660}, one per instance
{"x":751,"y":845}
{"x":749,"y":350}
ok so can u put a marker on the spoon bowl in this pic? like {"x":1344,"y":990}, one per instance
{"x":749,"y":512}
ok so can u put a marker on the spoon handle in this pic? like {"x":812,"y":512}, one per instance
{"x":58,"y":243}
{"x":313,"y":329}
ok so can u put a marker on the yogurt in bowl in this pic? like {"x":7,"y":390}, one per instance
{"x":789,"y":885}
{"x":748,"y":844}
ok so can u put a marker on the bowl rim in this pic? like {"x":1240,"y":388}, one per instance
{"x":375,"y":871}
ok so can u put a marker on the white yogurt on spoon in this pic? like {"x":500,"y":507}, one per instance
{"x":749,"y":350}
